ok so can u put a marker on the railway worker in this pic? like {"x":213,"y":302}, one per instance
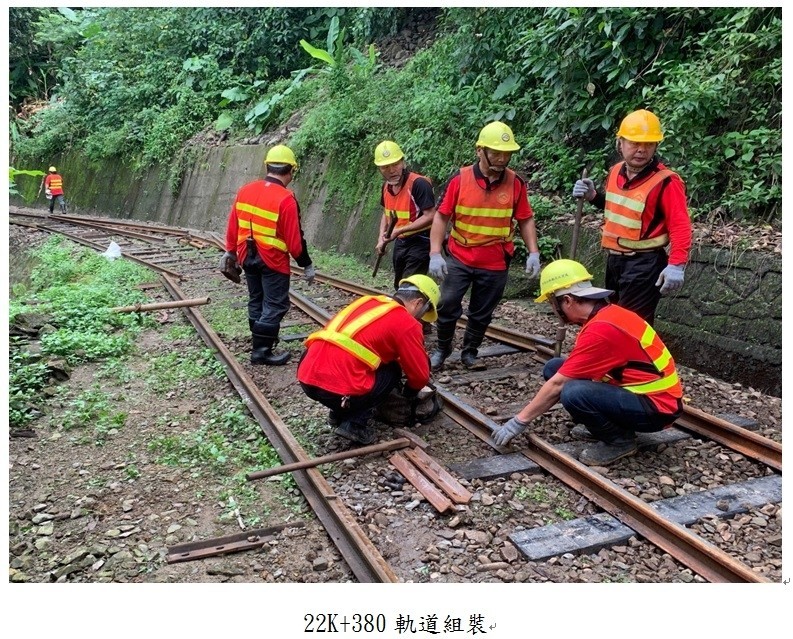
{"x":263,"y":231}
{"x":408,"y":200}
{"x":618,"y":380}
{"x":645,"y":211}
{"x":353,"y":363}
{"x":52,"y":183}
{"x":484,"y":202}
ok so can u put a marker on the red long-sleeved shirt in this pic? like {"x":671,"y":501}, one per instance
{"x":396,"y":336}
{"x":287,"y":229}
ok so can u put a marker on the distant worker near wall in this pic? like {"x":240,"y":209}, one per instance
{"x":484,"y":202}
{"x":353,"y":363}
{"x":645,"y":211}
{"x":263,"y":231}
{"x":408,"y":209}
{"x":618,"y":380}
{"x":52,"y":183}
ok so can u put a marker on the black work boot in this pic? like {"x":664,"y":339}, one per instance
{"x":359,"y":433}
{"x":604,"y":453}
{"x":443,"y":347}
{"x":262,"y":352}
{"x":471,"y":340}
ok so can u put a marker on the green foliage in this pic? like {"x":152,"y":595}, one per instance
{"x":26,"y":378}
{"x":170,"y":373}
{"x":139,"y":83}
{"x":93,"y":408}
{"x":12,"y":176}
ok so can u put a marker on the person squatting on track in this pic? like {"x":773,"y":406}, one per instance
{"x":263,"y":231}
{"x":645,"y":210}
{"x":353,"y":363}
{"x":484,"y":202}
{"x":619,"y":378}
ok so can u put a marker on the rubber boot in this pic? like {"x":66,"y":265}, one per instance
{"x":443,"y":348}
{"x":471,"y":340}
{"x":262,"y":352}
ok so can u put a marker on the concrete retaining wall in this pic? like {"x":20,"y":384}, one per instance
{"x":726,"y":321}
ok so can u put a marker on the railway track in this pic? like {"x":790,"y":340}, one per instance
{"x":184,"y":254}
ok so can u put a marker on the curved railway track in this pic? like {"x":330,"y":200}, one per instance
{"x":180,"y":255}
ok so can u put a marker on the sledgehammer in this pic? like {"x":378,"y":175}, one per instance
{"x":406,"y":440}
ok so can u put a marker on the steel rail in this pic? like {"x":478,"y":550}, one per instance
{"x":739,"y":439}
{"x":98,"y":247}
{"x":355,"y":547}
{"x":705,"y":559}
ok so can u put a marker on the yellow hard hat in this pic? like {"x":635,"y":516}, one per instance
{"x":52,"y":169}
{"x":561,"y":275}
{"x":429,"y":289}
{"x":280,"y":154}
{"x":497,"y":136}
{"x":641,"y":126}
{"x":387,"y":152}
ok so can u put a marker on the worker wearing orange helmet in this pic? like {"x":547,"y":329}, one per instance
{"x":359,"y":357}
{"x":263,"y":230}
{"x":645,"y":211}
{"x":485,"y":203}
{"x":618,"y":380}
{"x":408,"y":209}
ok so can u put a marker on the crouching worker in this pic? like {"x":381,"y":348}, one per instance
{"x":353,"y":363}
{"x":619,"y":378}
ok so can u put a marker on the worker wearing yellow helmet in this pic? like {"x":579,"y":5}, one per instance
{"x":52,"y":183}
{"x":354,"y":362}
{"x":645,"y":212}
{"x":484,"y":203}
{"x":408,"y":209}
{"x":262,"y":232}
{"x":619,"y":379}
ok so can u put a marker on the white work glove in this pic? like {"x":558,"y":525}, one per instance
{"x":438,"y":268}
{"x":533,"y":265}
{"x":309,"y":273}
{"x":671,"y":279}
{"x":584,"y":188}
{"x":504,"y":435}
{"x":227,"y":255}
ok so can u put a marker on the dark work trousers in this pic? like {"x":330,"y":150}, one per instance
{"x":359,"y":408}
{"x":487,"y":287}
{"x":61,"y":203}
{"x":268,"y":297}
{"x":612,"y":414}
{"x":411,"y":256}
{"x":633,"y":278}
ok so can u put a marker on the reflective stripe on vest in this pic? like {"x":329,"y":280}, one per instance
{"x":262,"y":221}
{"x":483,"y":217}
{"x":342,"y":333}
{"x":623,"y":213}
{"x":634,"y":326}
{"x":56,"y":184}
{"x":400,"y":204}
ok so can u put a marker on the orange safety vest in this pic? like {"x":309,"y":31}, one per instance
{"x":399,"y":205}
{"x":55,"y":184}
{"x":342,"y":328}
{"x":622,"y":224}
{"x":261,"y":221}
{"x":483,"y":217}
{"x":634,"y":326}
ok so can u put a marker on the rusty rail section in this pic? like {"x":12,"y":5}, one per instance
{"x":358,"y":551}
{"x":705,"y":559}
